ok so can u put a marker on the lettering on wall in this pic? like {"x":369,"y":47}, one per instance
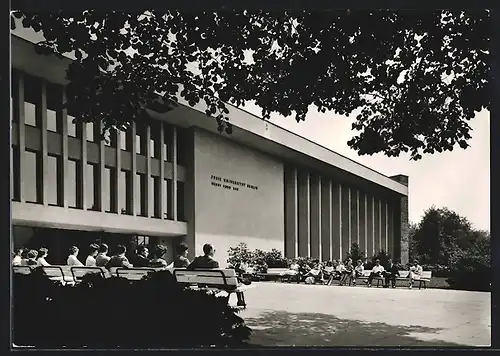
{"x":230,"y":184}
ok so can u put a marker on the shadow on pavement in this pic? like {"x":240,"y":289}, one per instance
{"x":280,"y":328}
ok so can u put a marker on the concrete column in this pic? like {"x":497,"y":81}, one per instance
{"x":336,"y":220}
{"x":315,"y":216}
{"x":82,"y":176}
{"x":21,"y":129}
{"x":376,"y":210}
{"x":173,"y":193}
{"x":63,"y":119}
{"x":383,"y":224}
{"x":291,"y":212}
{"x":149,"y":186}
{"x":116,"y":196}
{"x":401,"y":221}
{"x":101,"y":194}
{"x":190,"y":191}
{"x":133,"y":169}
{"x":354,"y":236}
{"x":162,"y":198}
{"x":390,"y":228}
{"x":362,"y":220}
{"x":304,"y":213}
{"x":41,"y":113}
{"x":370,"y":230}
{"x":346,"y":217}
{"x":326,"y":219}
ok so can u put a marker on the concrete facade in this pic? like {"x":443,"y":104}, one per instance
{"x":176,"y":179}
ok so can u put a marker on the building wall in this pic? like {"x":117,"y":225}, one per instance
{"x":325,"y":217}
{"x":65,"y":177}
{"x":239,"y":196}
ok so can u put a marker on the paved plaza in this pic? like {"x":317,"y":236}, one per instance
{"x":282,"y":314}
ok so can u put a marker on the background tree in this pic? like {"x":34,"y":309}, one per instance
{"x":356,"y":253}
{"x":440,"y":235}
{"x":413,"y":78}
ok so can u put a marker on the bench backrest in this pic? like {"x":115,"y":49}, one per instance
{"x":427,"y":274}
{"x":225,"y":278}
{"x":276,"y":270}
{"x":78,"y":271}
{"x":133,"y":274}
{"x":21,"y":269}
{"x":53,"y":271}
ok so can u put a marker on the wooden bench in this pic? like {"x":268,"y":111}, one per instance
{"x":403,"y":276}
{"x":78,"y":272}
{"x":212,"y":279}
{"x":21,"y":269}
{"x":60,"y":274}
{"x":273,"y":273}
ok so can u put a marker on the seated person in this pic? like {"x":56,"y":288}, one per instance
{"x":316,"y":272}
{"x":141,"y":259}
{"x":119,"y":259}
{"x":90,"y":261}
{"x":328,"y":270}
{"x":415,"y":273}
{"x":390,"y":274}
{"x":42,"y":255}
{"x":206,"y":261}
{"x":16,"y":261}
{"x":338,"y":267}
{"x":347,"y":273}
{"x":31,"y":258}
{"x":157,"y":260}
{"x":358,"y":271}
{"x":377,"y":271}
{"x":73,"y":257}
{"x":181,"y":260}
{"x":102,"y":257}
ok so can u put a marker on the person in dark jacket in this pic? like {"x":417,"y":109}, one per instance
{"x":205,"y":261}
{"x":181,"y":260}
{"x":141,"y":260}
{"x":391,"y":273}
{"x":119,"y":259}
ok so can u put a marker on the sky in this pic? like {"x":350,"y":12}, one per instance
{"x":458,"y":180}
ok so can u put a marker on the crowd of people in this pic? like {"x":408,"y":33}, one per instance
{"x":347,"y":273}
{"x":98,"y":257}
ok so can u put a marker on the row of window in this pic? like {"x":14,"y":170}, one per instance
{"x":32,"y":185}
{"x":32,"y":117}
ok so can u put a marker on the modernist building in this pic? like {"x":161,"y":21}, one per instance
{"x":176,"y":179}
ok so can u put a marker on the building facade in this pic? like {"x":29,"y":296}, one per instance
{"x":174,"y":178}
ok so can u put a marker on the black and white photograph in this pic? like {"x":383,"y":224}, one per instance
{"x":250,"y":179}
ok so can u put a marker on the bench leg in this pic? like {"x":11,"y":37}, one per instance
{"x":241,"y":299}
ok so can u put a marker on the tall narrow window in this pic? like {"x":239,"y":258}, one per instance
{"x":16,"y":174}
{"x":53,"y":179}
{"x":91,"y":184}
{"x":167,"y":142}
{"x":181,"y":146}
{"x":140,"y":139}
{"x":53,"y":105}
{"x":30,"y":182}
{"x":155,"y":197}
{"x":71,"y":183}
{"x":91,"y":132}
{"x":155,"y":146}
{"x":125,"y":185}
{"x":13,"y":96}
{"x":71,"y":126}
{"x":180,"y":201}
{"x":107,"y":192}
{"x":167,"y":199}
{"x":140,"y":194}
{"x":32,"y":96}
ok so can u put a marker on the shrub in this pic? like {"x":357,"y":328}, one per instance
{"x":382,"y":256}
{"x":239,"y":254}
{"x":356,"y":253}
{"x":155,"y":312}
{"x":472,"y":268}
{"x":274,"y":259}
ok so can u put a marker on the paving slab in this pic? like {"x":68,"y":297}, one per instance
{"x":312,"y":315}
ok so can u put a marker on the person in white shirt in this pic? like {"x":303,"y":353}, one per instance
{"x":358,"y":271}
{"x":377,"y":271}
{"x":72,"y":258}
{"x":42,"y":255}
{"x":93,"y":250}
{"x":16,"y":261}
{"x":415,"y":273}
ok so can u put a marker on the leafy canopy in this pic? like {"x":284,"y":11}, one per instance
{"x":413,"y":78}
